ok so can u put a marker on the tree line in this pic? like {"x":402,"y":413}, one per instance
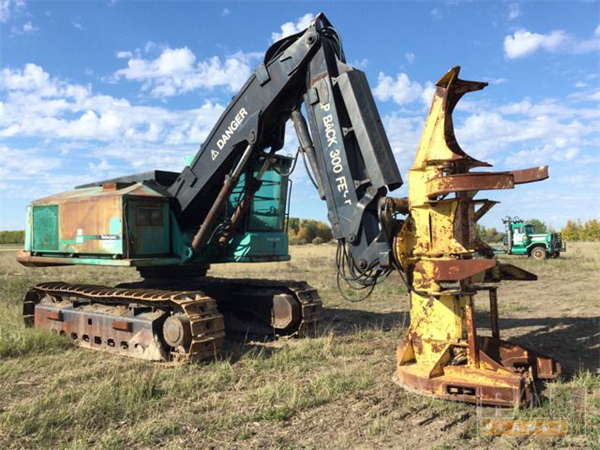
{"x":308,"y":231}
{"x":12,"y":237}
{"x":574,"y":230}
{"x":581,"y":231}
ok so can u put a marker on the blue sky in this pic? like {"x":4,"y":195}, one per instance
{"x":91,"y":90}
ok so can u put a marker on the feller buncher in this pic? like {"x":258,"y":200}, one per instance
{"x":229,"y":204}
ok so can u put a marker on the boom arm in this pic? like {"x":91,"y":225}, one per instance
{"x":348,"y":152}
{"x":352,"y":158}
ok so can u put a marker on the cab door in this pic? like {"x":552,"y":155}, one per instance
{"x":148,"y":227}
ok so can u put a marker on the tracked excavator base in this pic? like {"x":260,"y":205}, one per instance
{"x":185,"y":322}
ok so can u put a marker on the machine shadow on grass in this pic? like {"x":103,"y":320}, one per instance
{"x":572,"y":341}
{"x":337,"y":321}
{"x":343,"y":321}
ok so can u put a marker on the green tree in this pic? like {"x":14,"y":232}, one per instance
{"x":488,"y":235}
{"x":591,"y":230}
{"x":580,"y":230}
{"x":570,"y":231}
{"x":540,"y":227}
{"x":12,"y":237}
{"x":293,"y":224}
{"x":324,"y":231}
{"x":303,"y":231}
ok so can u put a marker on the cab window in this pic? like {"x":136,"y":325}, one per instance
{"x":268,"y":205}
{"x":149,"y":217}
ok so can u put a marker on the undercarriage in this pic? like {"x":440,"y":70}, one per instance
{"x":185,"y":321}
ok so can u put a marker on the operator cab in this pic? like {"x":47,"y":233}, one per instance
{"x":130,"y":221}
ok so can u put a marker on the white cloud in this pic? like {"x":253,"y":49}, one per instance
{"x":404,"y":134}
{"x":514,"y":135}
{"x":591,"y":95}
{"x":428,"y":92}
{"x":28,"y":27}
{"x":290,"y":28}
{"x":37,"y":105}
{"x":521,"y":135}
{"x":30,"y":78}
{"x":21,"y":164}
{"x":436,"y":14}
{"x":101,"y":168}
{"x":524,"y":43}
{"x":225,"y":12}
{"x":48,"y":121}
{"x":410,"y":57}
{"x":547,"y":107}
{"x":580,"y":179}
{"x":496,"y":80}
{"x":586,"y":45}
{"x":362,"y":64}
{"x":401,"y":90}
{"x":9,"y":7}
{"x":151,"y":46}
{"x":77,"y":25}
{"x":514,"y":11}
{"x":124,"y":54}
{"x":175,"y":72}
{"x":545,"y":154}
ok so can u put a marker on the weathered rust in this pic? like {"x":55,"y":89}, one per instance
{"x":287,"y":307}
{"x":177,"y":330}
{"x":530,"y":175}
{"x":442,"y":353}
{"x":228,"y":185}
{"x":483,"y":209}
{"x":454,"y":269}
{"x":29,"y":260}
{"x":401,"y":205}
{"x":141,"y":317}
{"x":91,"y":328}
{"x":252,"y":186}
{"x":493,"y":293}
{"x":505,"y":380}
{"x":473,"y":347}
{"x":520,"y":358}
{"x":122,"y":325}
{"x":467,"y":182}
{"x":55,"y":315}
{"x":94,"y":221}
{"x":463,"y":385}
{"x":285,"y":312}
{"x":438,"y":141}
{"x":479,"y":181}
{"x":123,"y":320}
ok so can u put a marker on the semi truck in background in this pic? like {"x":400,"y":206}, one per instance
{"x":522,"y":238}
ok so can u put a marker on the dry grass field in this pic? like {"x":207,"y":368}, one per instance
{"x":331,"y":392}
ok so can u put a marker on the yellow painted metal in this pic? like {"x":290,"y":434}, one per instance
{"x":441,"y":354}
